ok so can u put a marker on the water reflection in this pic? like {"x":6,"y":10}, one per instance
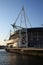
{"x":17,"y":59}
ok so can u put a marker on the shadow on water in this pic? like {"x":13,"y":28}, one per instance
{"x":29,"y":60}
{"x":7,"y":58}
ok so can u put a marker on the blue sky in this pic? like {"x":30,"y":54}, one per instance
{"x":9,"y":10}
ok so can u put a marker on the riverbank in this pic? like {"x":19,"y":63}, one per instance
{"x":27,"y":51}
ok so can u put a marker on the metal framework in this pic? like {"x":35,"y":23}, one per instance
{"x":23,"y":14}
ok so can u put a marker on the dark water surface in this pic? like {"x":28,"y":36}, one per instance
{"x":7,"y":58}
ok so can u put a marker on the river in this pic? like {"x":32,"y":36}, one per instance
{"x":7,"y":58}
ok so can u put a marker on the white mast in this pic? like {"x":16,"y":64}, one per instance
{"x":26,"y":30}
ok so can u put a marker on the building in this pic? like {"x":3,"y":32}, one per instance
{"x":35,"y":37}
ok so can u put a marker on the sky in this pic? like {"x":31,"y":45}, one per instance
{"x":9,"y":10}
